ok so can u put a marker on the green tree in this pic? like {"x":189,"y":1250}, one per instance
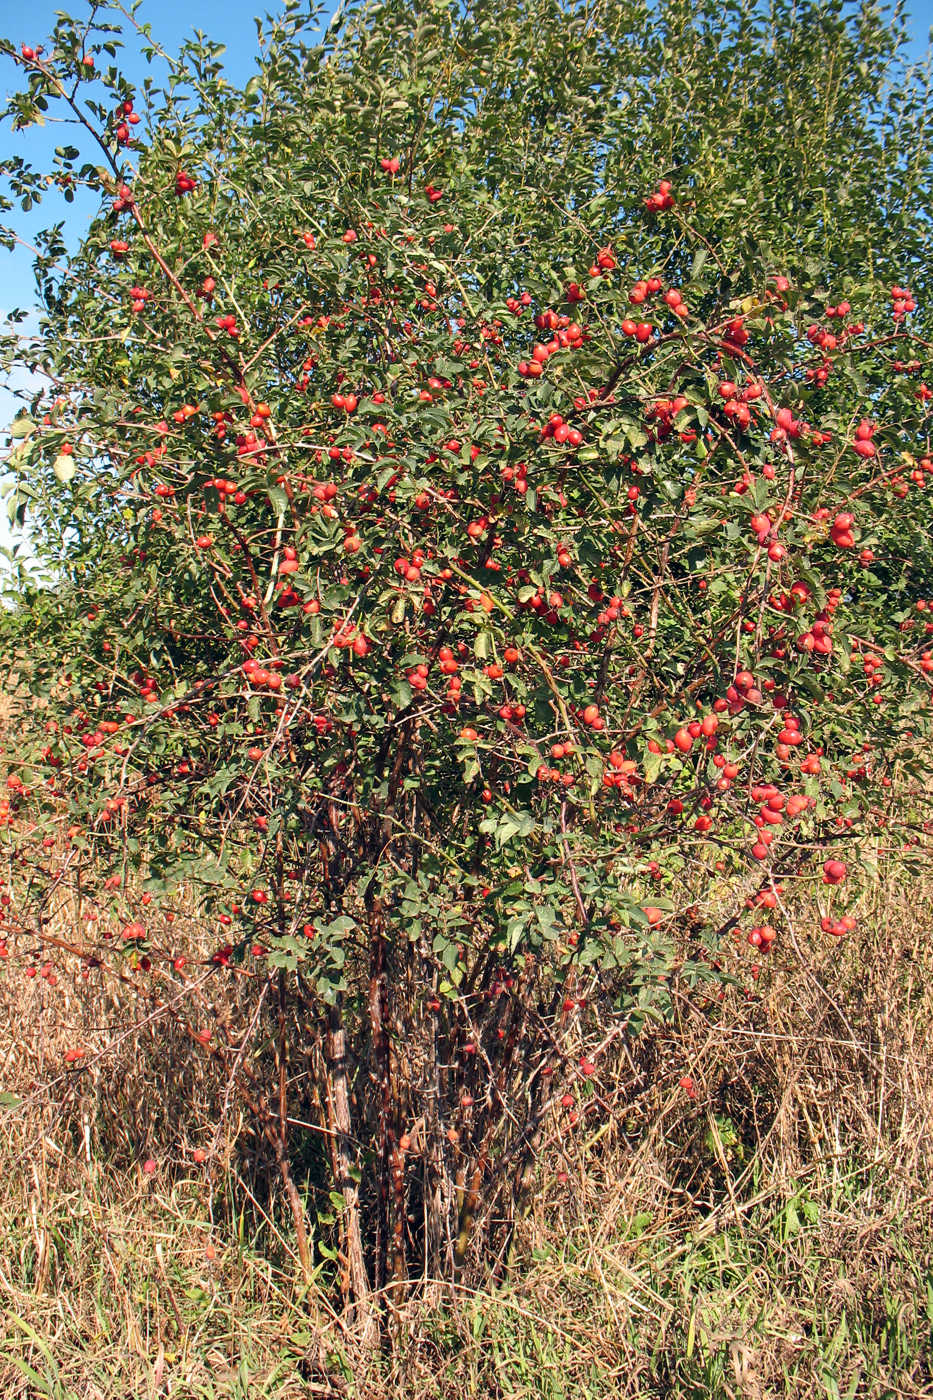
{"x":484,"y":495}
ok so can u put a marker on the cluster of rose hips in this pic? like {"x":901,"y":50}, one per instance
{"x":838,"y":927}
{"x":918,"y":474}
{"x":764,"y":530}
{"x":605,"y":261}
{"x":410,"y":569}
{"x":773,"y":806}
{"x":546,"y":774}
{"x":48,"y":973}
{"x":614,"y":609}
{"x":736,"y":401}
{"x":126,"y":118}
{"x":621,"y":772}
{"x":139,"y":296}
{"x":832,"y":339}
{"x":901,"y":302}
{"x":819,"y":636}
{"x":840,"y":532}
{"x":124,"y":199}
{"x":561,"y":431}
{"x":662,"y":198}
{"x":147,"y":685}
{"x":642,"y":331}
{"x":662,"y":414}
{"x":566,"y":335}
{"x":798,"y":595}
{"x":863,"y":444}
{"x":262,"y":677}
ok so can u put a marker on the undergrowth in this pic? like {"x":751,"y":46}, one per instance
{"x":767,"y":1233}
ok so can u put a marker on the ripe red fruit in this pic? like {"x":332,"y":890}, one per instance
{"x":841,"y":530}
{"x":834,"y":872}
{"x":661,"y":199}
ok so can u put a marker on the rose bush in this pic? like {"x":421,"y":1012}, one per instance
{"x":482,"y":478}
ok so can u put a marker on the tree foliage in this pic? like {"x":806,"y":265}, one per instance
{"x":483,"y":487}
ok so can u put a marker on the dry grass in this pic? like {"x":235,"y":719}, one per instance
{"x":772,"y":1237}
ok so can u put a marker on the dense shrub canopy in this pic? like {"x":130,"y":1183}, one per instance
{"x":484,"y":476}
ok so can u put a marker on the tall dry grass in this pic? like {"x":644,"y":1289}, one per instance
{"x":771,"y":1236}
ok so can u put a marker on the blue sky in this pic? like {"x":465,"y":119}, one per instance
{"x":172,"y":22}
{"x":229,"y":22}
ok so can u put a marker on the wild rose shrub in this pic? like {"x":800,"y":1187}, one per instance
{"x":479,"y":502}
